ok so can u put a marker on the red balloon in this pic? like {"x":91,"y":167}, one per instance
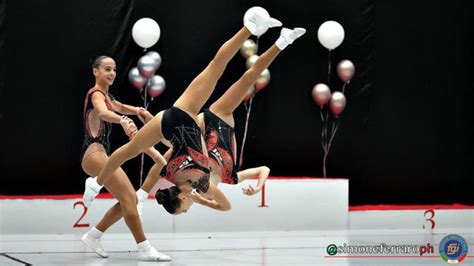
{"x":321,"y":94}
{"x":337,"y":103}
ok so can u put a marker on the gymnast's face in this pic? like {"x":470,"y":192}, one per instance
{"x":186,"y":203}
{"x":105,"y":73}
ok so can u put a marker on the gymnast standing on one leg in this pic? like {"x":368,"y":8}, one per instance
{"x":176,"y":127}
{"x":99,"y":113}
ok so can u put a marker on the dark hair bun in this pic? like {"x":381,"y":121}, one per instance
{"x":92,"y":59}
{"x":162,"y":196}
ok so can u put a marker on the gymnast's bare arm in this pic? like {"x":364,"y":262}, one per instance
{"x":214,"y":198}
{"x":261,"y":172}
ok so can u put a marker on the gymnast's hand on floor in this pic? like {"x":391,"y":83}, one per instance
{"x":250,"y":190}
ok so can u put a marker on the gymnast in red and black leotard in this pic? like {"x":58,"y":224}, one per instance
{"x":105,"y":127}
{"x":185,"y":136}
{"x":219,"y":137}
{"x":217,"y":124}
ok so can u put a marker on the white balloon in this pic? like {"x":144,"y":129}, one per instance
{"x":146,"y":32}
{"x":331,"y":34}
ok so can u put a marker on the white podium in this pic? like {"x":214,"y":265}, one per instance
{"x":287,"y":204}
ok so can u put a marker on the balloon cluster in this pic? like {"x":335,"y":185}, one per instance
{"x":337,"y":100}
{"x":146,"y":33}
{"x":143,"y":75}
{"x":331,"y":35}
{"x":249,"y":51}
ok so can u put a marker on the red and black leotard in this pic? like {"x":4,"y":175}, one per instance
{"x":219,"y":137}
{"x":185,"y":136}
{"x":105,"y":127}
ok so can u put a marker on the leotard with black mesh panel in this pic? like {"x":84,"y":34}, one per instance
{"x":105,"y":127}
{"x":219,"y":137}
{"x":185,"y":136}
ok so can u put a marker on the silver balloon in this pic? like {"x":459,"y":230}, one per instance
{"x":345,"y":70}
{"x":321,"y":94}
{"x":248,"y":49}
{"x":251,"y":60}
{"x":337,"y":103}
{"x":147,"y":66}
{"x":137,"y":80}
{"x":156,"y":86}
{"x":263,"y":80}
{"x":156,"y":56}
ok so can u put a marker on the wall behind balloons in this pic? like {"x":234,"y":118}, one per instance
{"x":405,"y":135}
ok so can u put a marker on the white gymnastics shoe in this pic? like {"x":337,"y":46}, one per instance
{"x":92,"y":240}
{"x":288,"y":36}
{"x":91,"y":191}
{"x":148,"y":253}
{"x":258,"y":21}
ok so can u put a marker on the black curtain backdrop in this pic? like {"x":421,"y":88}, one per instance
{"x":405,"y":136}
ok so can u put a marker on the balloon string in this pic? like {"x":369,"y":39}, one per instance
{"x":256,"y":45}
{"x":141,"y":168}
{"x":329,"y":66}
{"x":326,"y":122}
{"x":248,"y":108}
{"x":145,"y":104}
{"x":335,"y":126}
{"x":322,"y":129}
{"x":344,"y":87}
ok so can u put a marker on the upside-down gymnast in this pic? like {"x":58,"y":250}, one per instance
{"x":217,"y":124}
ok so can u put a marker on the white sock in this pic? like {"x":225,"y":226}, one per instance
{"x":96,"y":185}
{"x":95,"y":233}
{"x":144,"y":246}
{"x":281,"y":43}
{"x":142,"y":195}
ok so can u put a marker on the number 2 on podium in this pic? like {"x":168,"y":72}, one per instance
{"x":78,"y":224}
